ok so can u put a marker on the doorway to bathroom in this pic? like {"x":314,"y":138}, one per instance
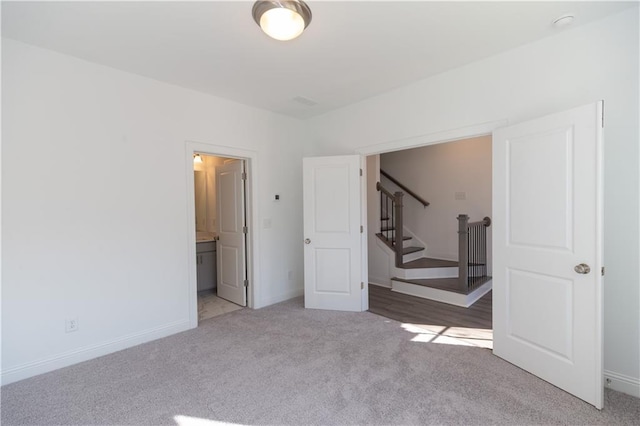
{"x":220,"y":231}
{"x":221,"y":228}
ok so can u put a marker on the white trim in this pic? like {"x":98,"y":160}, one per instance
{"x":284,"y":296}
{"x":433,"y":138}
{"x":599,"y":323}
{"x":622,"y":383}
{"x":253,"y":242}
{"x":75,"y":356}
{"x":377,"y":282}
{"x":443,"y":296}
{"x":364,"y":237}
{"x":426,"y":273}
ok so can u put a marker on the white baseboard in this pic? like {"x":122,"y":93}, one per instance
{"x":75,"y":356}
{"x":442,"y":296}
{"x":426,"y":273}
{"x":622,"y":383}
{"x":379,"y":284}
{"x":281,"y":297}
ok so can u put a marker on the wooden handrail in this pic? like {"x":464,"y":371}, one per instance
{"x":421,"y":200}
{"x":485,"y":222}
{"x":381,"y":188}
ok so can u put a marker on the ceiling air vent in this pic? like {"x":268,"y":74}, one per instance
{"x":305,"y":101}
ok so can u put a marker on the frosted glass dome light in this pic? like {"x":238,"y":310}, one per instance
{"x":282,"y":20}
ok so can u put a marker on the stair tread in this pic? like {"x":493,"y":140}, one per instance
{"x":446,"y":284}
{"x":405,"y":238}
{"x":388,"y":229}
{"x":409,"y":250}
{"x":425,"y":262}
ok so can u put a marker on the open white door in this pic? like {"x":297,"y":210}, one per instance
{"x":231,"y":227}
{"x":547,"y":238}
{"x":332,"y":231}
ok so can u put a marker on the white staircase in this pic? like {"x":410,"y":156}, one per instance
{"x":428,"y":278}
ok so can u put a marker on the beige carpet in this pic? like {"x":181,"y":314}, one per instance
{"x":284,"y":365}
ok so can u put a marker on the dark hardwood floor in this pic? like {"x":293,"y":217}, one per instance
{"x":415,"y":310}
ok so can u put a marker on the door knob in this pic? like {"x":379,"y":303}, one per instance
{"x":582,"y":268}
{"x":307,"y":241}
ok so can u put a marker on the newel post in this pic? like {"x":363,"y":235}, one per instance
{"x":399,"y":245}
{"x":463,"y":252}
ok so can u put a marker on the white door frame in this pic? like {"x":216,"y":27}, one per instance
{"x":451,"y":135}
{"x":251,"y":194}
{"x":482,"y":129}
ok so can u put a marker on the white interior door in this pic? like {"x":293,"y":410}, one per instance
{"x":231,"y":232}
{"x":547,"y":207}
{"x":333,"y":238}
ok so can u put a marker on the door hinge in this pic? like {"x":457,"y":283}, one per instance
{"x":361,"y":229}
{"x":245,"y":230}
{"x":360,"y":172}
{"x":361,"y":285}
{"x":602,"y":271}
{"x":244,"y":175}
{"x":246,"y":283}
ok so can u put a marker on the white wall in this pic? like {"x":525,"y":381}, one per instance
{"x":94,"y":205}
{"x":575,"y":67}
{"x":437,"y":173}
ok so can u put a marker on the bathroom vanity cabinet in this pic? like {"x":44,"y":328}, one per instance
{"x":206,"y":265}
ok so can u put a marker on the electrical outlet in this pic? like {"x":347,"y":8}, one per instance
{"x":71,"y":325}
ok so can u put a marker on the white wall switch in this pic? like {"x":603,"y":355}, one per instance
{"x":460,"y":196}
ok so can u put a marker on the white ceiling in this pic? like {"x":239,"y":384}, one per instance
{"x":351,"y":50}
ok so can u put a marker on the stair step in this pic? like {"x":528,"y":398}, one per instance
{"x":425,"y":262}
{"x":390,"y":228}
{"x":384,"y":218}
{"x":445,"y":290}
{"x":409,"y":250}
{"x":393,"y":241}
{"x":448,"y":284}
{"x":403,"y":239}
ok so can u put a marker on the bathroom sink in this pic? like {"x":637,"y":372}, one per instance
{"x":202,"y":237}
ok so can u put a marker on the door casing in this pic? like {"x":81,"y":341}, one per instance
{"x":251,"y":194}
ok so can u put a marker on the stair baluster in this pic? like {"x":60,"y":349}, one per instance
{"x":472,"y":251}
{"x":398,"y":237}
{"x":391,"y":222}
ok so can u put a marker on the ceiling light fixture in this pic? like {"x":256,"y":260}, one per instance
{"x":282,"y":20}
{"x":197,"y":158}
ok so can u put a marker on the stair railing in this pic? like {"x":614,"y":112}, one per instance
{"x":472,"y":251}
{"x":391,"y":223}
{"x":421,"y":200}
